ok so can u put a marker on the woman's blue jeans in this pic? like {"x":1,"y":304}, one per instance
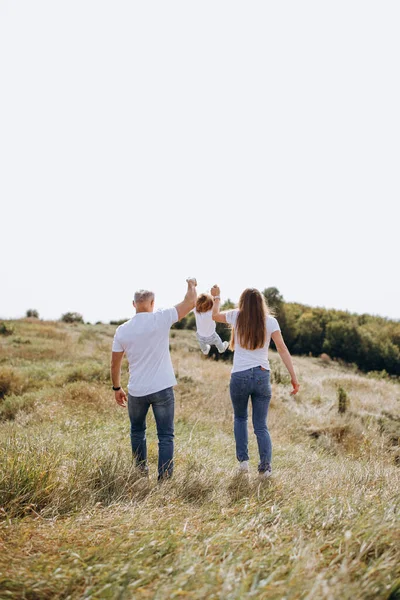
{"x":255,"y":384}
{"x":163,"y":404}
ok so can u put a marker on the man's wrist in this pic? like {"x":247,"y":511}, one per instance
{"x":116,"y":388}
{"x":217,"y":298}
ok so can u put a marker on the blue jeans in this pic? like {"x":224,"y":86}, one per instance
{"x":253,"y":383}
{"x":163,"y":404}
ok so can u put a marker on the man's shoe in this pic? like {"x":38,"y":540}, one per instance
{"x":225,"y":344}
{"x":142,"y":469}
{"x":207,"y":350}
{"x":164,"y":476}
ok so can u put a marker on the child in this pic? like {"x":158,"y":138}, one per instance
{"x":206,"y":334}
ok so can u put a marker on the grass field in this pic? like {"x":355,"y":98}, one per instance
{"x":77,"y":521}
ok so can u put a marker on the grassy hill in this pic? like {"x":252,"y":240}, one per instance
{"x":78,"y":522}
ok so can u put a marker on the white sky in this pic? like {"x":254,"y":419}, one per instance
{"x":245,"y":143}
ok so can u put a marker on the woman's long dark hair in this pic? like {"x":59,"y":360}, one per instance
{"x":251,"y":323}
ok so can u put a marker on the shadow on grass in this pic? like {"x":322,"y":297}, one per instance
{"x":196,"y":490}
{"x":243,"y":486}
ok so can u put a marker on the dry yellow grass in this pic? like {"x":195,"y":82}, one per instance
{"x":78,"y":521}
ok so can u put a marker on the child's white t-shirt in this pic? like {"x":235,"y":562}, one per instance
{"x":204,"y":323}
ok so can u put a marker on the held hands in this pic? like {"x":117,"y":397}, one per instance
{"x":120,"y":398}
{"x":215,"y":291}
{"x":296,"y":387}
{"x":191,"y":281}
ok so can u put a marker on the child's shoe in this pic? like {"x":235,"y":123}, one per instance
{"x":207,"y":350}
{"x":225,"y":344}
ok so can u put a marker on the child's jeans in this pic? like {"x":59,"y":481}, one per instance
{"x":213,"y":340}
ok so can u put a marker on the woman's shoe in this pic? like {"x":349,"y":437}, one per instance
{"x":265,"y":474}
{"x":244,"y":466}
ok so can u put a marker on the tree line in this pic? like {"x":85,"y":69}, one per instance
{"x":372,"y":343}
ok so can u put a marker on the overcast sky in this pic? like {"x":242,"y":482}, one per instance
{"x":245,"y":143}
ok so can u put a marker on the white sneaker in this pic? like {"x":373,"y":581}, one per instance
{"x":225,"y":345}
{"x":265,"y":474}
{"x":207,"y":350}
{"x":244,"y":466}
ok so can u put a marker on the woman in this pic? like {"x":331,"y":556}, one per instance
{"x":252,"y":329}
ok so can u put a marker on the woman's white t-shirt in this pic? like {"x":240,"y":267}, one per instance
{"x":247,"y":359}
{"x":204,"y":323}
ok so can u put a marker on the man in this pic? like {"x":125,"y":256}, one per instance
{"x":145,"y":341}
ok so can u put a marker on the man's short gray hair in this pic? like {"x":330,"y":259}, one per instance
{"x":143,"y":296}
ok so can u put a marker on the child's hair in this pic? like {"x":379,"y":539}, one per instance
{"x":204,"y":303}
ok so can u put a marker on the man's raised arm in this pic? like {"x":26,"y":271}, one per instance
{"x":189,"y":301}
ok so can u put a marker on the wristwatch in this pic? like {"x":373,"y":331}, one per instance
{"x":217,"y":297}
{"x":116,"y":389}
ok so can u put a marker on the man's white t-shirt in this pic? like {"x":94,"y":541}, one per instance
{"x":145,"y":341}
{"x":247,"y":359}
{"x":204,"y":323}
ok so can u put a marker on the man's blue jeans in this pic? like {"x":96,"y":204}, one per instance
{"x":163,"y":404}
{"x":253,"y":383}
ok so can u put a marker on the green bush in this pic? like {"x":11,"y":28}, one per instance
{"x":72,"y":317}
{"x":188,"y":322}
{"x":379,"y":375}
{"x":391,"y":357}
{"x":6,"y":329}
{"x":276,"y":305}
{"x":342,"y":340}
{"x":180,"y":324}
{"x":310,"y":335}
{"x":17,"y":381}
{"x":32,"y":313}
{"x":228,"y":305}
{"x":393,"y":333}
{"x":88,"y":372}
{"x":343,"y":400}
{"x":21,"y":341}
{"x":274,"y":299}
{"x":11,"y":405}
{"x":11,"y":382}
{"x":224,"y":332}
